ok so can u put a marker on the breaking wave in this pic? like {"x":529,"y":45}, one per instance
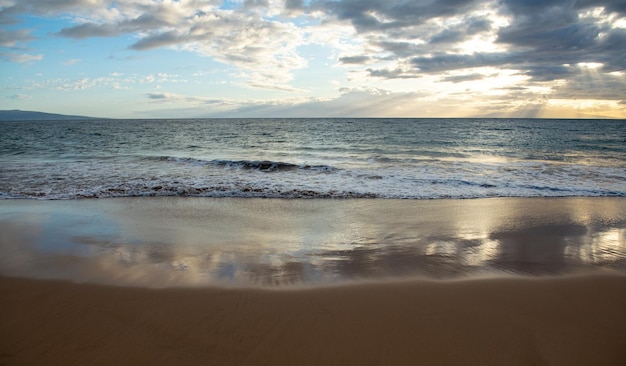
{"x":260,"y":165}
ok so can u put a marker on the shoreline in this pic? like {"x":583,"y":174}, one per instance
{"x":328,"y":198}
{"x":239,"y":242}
{"x":558,"y":321}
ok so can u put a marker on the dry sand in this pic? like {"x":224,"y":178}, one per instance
{"x":558,"y":321}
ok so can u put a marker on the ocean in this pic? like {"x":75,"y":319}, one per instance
{"x":313,"y":158}
{"x":377,"y":199}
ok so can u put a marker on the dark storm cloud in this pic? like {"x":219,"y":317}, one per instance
{"x":570,"y":37}
{"x":294,"y":4}
{"x":10,"y":38}
{"x":399,"y":73}
{"x":9,"y":15}
{"x":158,"y":96}
{"x":612,"y":50}
{"x":462,"y":31}
{"x":446,"y":62}
{"x":534,"y":7}
{"x":595,"y":85}
{"x":550,"y":72}
{"x":87,"y":30}
{"x":552,"y":32}
{"x":550,"y":26}
{"x":462,"y":78}
{"x":612,"y":6}
{"x":39,"y":7}
{"x":365,"y":14}
{"x":157,"y":40}
{"x":354,"y":59}
{"x":400,"y":49}
{"x":13,"y":45}
{"x":251,"y":4}
{"x":544,"y":40}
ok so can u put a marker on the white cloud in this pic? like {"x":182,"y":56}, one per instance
{"x":19,"y":97}
{"x":20,"y":57}
{"x":72,"y":61}
{"x":263,"y":49}
{"x":113,"y":80}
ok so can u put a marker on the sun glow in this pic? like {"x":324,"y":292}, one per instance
{"x":590,"y":65}
{"x":480,"y":44}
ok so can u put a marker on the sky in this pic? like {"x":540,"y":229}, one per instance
{"x":314,"y":58}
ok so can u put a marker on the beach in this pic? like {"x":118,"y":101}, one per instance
{"x":561,"y":321}
{"x":515,"y":281}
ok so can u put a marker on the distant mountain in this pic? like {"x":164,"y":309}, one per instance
{"x":17,"y":115}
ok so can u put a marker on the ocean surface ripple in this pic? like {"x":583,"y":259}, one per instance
{"x":313,"y":158}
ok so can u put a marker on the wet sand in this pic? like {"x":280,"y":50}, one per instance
{"x":557,"y":321}
{"x":313,"y":282}
{"x":175,"y":241}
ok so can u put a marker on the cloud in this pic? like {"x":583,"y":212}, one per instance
{"x":351,"y":102}
{"x":19,"y":57}
{"x":376,"y":16}
{"x":446,"y":62}
{"x":510,"y":102}
{"x":611,"y":6}
{"x":360,"y":59}
{"x":462,"y":78}
{"x":462,"y":31}
{"x":548,"y":35}
{"x":361,"y":102}
{"x":177,"y":99}
{"x":88,"y":30}
{"x":158,"y":40}
{"x":19,"y":97}
{"x":538,"y":45}
{"x":294,"y":4}
{"x":397,"y":73}
{"x":121,"y":26}
{"x":72,"y":61}
{"x":161,"y":96}
{"x":110,"y":81}
{"x":11,"y":9}
{"x":12,"y":38}
{"x":263,"y":48}
{"x":542,"y":40}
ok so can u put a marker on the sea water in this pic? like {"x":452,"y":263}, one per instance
{"x":326,"y":237}
{"x":313,"y":158}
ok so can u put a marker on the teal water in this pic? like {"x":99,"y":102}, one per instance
{"x":313,"y":158}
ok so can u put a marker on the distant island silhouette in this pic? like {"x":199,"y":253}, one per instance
{"x":19,"y":115}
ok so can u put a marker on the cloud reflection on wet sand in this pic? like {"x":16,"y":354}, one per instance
{"x":270,"y":242}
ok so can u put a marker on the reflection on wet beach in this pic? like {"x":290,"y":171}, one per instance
{"x":270,"y":242}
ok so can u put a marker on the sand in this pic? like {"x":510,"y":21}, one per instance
{"x":558,"y":321}
{"x":176,"y":241}
{"x":313,"y":282}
